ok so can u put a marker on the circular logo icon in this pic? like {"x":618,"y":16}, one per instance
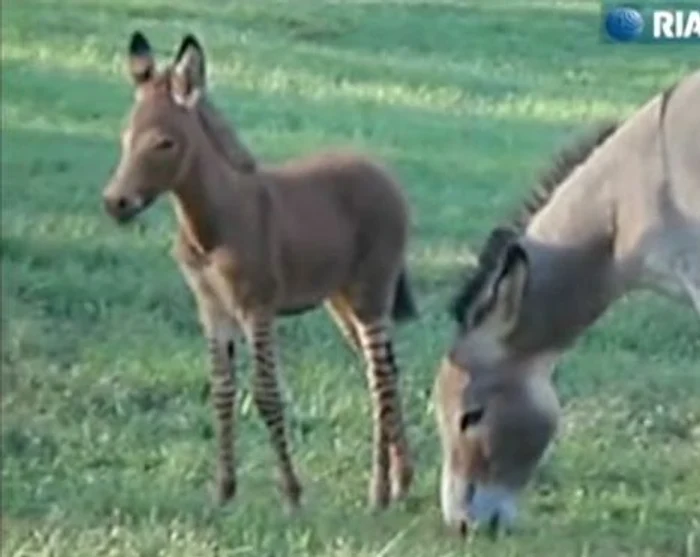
{"x":624,"y":24}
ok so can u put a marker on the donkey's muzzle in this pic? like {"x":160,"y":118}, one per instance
{"x":493,"y":508}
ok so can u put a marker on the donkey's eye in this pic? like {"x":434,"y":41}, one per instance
{"x":471,"y":418}
{"x":165,"y":143}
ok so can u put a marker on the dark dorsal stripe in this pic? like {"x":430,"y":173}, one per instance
{"x":665,"y":98}
{"x":502,"y":237}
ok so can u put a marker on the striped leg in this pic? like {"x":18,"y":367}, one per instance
{"x":343,"y":316}
{"x":220,"y":330}
{"x":390,"y":449}
{"x":268,"y":400}
{"x":223,"y":396}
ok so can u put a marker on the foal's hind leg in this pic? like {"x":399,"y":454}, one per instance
{"x":268,"y":401}
{"x":391,"y":454}
{"x":342,"y":314}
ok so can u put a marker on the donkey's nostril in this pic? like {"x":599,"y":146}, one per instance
{"x":122,"y":203}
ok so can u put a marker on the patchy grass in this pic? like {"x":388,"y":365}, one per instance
{"x":106,"y":432}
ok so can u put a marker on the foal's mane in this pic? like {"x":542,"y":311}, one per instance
{"x":503,"y":236}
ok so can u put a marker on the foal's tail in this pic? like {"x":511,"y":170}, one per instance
{"x":404,"y":303}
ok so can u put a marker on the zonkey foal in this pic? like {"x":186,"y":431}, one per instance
{"x":255,"y":242}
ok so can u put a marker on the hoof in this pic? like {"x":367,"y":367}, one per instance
{"x":223,"y":491}
{"x":401,"y":483}
{"x":379,"y":497}
{"x":458,"y":530}
{"x":291,"y":492}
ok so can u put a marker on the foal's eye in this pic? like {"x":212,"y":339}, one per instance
{"x":471,"y":418}
{"x":165,"y":143}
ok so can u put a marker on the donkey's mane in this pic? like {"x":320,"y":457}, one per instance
{"x":503,"y":236}
{"x":565,"y":162}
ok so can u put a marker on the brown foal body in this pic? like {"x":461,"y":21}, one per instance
{"x":256,"y":242}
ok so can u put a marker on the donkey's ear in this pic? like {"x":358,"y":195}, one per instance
{"x":141,"y":63}
{"x":508,"y":290}
{"x":497,"y":306}
{"x":189,"y":72}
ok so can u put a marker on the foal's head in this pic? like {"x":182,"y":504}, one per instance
{"x":508,"y":411}
{"x":163,"y":128}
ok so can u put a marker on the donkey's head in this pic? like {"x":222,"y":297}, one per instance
{"x":160,"y":139}
{"x":498,"y":427}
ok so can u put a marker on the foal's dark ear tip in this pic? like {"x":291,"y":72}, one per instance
{"x":138,"y":44}
{"x":188,"y":41}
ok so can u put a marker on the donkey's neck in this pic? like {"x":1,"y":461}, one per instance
{"x":581,"y":243}
{"x":571,"y":244}
{"x":568,"y":289}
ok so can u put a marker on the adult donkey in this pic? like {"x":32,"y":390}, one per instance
{"x":255,"y":242}
{"x":618,"y":214}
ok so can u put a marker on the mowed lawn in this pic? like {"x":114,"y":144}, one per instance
{"x":107,"y":442}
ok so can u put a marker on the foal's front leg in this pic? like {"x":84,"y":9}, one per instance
{"x":268,"y":401}
{"x":219,"y":328}
{"x":220,"y":332}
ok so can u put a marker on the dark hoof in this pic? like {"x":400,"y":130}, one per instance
{"x":460,"y":530}
{"x":292,"y":492}
{"x":224,"y":491}
{"x":401,"y":483}
{"x":379,"y":497}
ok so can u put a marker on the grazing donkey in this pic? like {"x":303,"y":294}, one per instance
{"x":256,"y":242}
{"x":620,"y":213}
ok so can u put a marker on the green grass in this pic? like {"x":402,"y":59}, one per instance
{"x":106,"y":433}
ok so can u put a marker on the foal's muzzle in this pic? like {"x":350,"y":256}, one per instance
{"x":123,"y":208}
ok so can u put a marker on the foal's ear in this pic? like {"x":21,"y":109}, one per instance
{"x":189,"y":72}
{"x":141,"y":62}
{"x":498,"y":307}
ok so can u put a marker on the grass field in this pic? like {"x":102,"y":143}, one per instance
{"x":106,"y":430}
